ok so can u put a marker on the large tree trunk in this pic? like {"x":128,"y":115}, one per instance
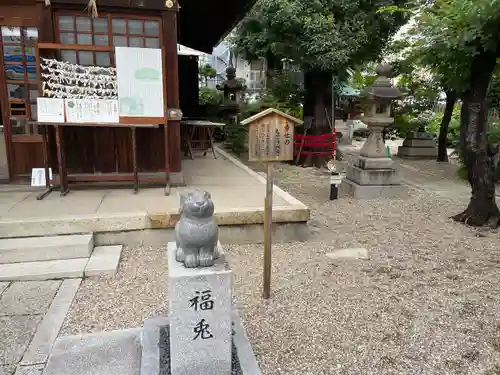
{"x":482,"y":208}
{"x":318,"y":105}
{"x":451,"y":99}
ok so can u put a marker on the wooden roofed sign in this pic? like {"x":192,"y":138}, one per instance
{"x":270,"y":135}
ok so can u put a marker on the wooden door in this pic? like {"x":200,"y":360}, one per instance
{"x":18,"y":93}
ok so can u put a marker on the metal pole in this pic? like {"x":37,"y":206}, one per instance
{"x":268,"y":218}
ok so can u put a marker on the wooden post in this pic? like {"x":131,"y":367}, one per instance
{"x":134,"y":160}
{"x":270,"y":140}
{"x":268,"y":234}
{"x":60,"y":159}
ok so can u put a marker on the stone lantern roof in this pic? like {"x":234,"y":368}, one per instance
{"x":231,"y":84}
{"x":382,"y":88}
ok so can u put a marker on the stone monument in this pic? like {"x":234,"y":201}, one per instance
{"x":371,"y":174}
{"x":200,"y":292}
{"x":419,"y":144}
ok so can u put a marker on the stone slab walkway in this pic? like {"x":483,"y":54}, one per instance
{"x":31,"y":316}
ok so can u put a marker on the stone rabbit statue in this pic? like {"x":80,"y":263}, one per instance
{"x":197,"y":232}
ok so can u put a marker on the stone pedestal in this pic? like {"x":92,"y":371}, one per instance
{"x":369,"y":178}
{"x":419,"y":145}
{"x":200,"y":317}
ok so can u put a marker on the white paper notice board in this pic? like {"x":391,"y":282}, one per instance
{"x":50,"y":110}
{"x":139,"y":74}
{"x":91,"y":110}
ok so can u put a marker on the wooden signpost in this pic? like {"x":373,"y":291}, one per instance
{"x":270,"y":139}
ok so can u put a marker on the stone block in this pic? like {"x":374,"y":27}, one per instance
{"x":104,"y":353}
{"x":419,"y":143}
{"x":150,"y":340}
{"x":28,"y":298}
{"x":356,"y":253}
{"x":420,"y":135}
{"x":34,"y":249}
{"x":104,"y":261}
{"x":48,"y":270}
{"x":153,"y":353}
{"x":372,"y":176}
{"x":200,"y":317}
{"x":15,"y":335}
{"x":30,"y":370}
{"x":7,"y":370}
{"x":349,"y":188}
{"x":373,"y":163}
{"x":246,"y":357}
{"x":418,"y":152}
{"x":48,"y":330}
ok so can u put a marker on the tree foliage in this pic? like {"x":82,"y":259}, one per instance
{"x":325,"y":35}
{"x":205,"y":72}
{"x":323,"y":38}
{"x":450,"y":33}
{"x":458,"y":40}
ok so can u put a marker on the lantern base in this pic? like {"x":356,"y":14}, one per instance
{"x":352,"y":189}
{"x":373,"y":163}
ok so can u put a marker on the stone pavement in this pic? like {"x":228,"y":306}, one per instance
{"x":31,"y":315}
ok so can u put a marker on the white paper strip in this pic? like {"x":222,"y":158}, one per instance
{"x":38,"y":176}
{"x":92,"y":110}
{"x":50,"y":110}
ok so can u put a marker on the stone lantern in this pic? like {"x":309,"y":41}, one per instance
{"x":232,"y":89}
{"x":376,"y":102}
{"x":371,"y":175}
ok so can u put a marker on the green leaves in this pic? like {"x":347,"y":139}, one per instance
{"x":449,"y":33}
{"x":328,"y":35}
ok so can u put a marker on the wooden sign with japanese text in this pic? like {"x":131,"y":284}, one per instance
{"x":270,"y":139}
{"x":270,"y":136}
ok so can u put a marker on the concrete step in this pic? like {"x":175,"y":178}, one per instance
{"x":46,"y":270}
{"x":35,"y":249}
{"x":104,"y":261}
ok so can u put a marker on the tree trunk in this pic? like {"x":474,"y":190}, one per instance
{"x":451,"y":99}
{"x":317,"y":104}
{"x":482,"y":208}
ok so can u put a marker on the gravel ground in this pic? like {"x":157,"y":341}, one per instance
{"x":136,"y":293}
{"x":426,"y":302}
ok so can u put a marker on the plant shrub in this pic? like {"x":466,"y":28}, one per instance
{"x":235,"y":135}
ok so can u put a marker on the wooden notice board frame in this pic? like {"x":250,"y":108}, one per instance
{"x":128,"y":122}
{"x":270,"y":139}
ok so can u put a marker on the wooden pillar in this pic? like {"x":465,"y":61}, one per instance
{"x":172,"y":81}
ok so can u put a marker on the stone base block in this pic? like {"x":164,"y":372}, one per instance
{"x":428,"y":143}
{"x":200,"y":302}
{"x":372,"y":176}
{"x":373,"y":163}
{"x":104,"y":353}
{"x":418,"y":152}
{"x":350,"y":188}
{"x":420,"y":135}
{"x":156,"y":353}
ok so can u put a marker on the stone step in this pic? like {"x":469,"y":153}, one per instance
{"x":104,"y":261}
{"x":46,"y":270}
{"x":36,"y":249}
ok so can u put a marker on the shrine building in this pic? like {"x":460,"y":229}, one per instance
{"x":103,"y":153}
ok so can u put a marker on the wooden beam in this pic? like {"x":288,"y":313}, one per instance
{"x":172,"y":82}
{"x":75,"y":47}
{"x":131,"y":4}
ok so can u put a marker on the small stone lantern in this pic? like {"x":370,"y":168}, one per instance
{"x":231,"y":88}
{"x":376,"y":101}
{"x":371,"y":174}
